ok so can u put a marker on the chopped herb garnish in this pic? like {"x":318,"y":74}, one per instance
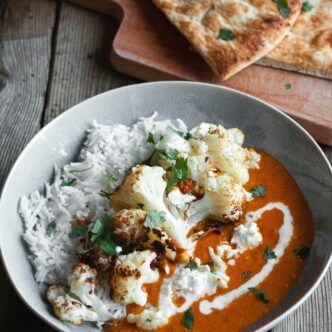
{"x":307,"y":6}
{"x":208,"y":263}
{"x":188,"y":135}
{"x":302,"y":252}
{"x":226,"y":34}
{"x":214,"y":271}
{"x":97,"y":230}
{"x":177,"y":131}
{"x":150,"y":138}
{"x":246,"y":274}
{"x":170,"y":154}
{"x":77,"y":231}
{"x":80,"y":170}
{"x":259,"y":294}
{"x":179,"y":173}
{"x":188,"y":319}
{"x":102,"y":235}
{"x":140,"y":206}
{"x":192,"y":265}
{"x":50,"y":228}
{"x":288,"y":86}
{"x":269,"y":254}
{"x":110,"y":176}
{"x":67,"y":183}
{"x":154,"y":219}
{"x":258,"y":191}
{"x":282,"y":7}
{"x":105,"y":194}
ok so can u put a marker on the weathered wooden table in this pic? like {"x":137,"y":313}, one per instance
{"x":52,"y":56}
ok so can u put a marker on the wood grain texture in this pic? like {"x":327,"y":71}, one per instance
{"x":147,"y":46}
{"x":25,"y":48}
{"x":81,"y":66}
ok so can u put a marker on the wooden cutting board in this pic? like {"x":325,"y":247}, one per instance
{"x":148,"y":47}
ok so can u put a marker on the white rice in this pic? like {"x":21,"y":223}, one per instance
{"x":113,"y":148}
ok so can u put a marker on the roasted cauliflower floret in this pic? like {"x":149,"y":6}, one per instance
{"x":130,"y":273}
{"x":90,"y":254}
{"x":128,"y":225}
{"x":146,"y":185}
{"x":160,"y":242}
{"x":79,"y":303}
{"x":67,"y":308}
{"x":223,"y":200}
{"x":226,"y":151}
{"x":149,"y":319}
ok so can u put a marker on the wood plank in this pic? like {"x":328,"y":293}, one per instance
{"x":82,"y":67}
{"x":25,"y":50}
{"x":147,"y":46}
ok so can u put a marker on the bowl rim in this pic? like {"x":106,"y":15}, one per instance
{"x":75,"y":107}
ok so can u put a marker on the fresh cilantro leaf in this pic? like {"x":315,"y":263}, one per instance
{"x":103,"y":236}
{"x":77,"y":231}
{"x":110,"y":176}
{"x":179,"y":173}
{"x":214,"y":271}
{"x":269,"y":254}
{"x":188,"y":319}
{"x":50,"y":228}
{"x":259,"y":294}
{"x":226,"y":34}
{"x":208,"y":263}
{"x":258,"y":191}
{"x":150,"y":138}
{"x":192,"y":265}
{"x":97,"y":230}
{"x":154,"y":219}
{"x":105,"y":194}
{"x":177,"y":131}
{"x":282,"y":7}
{"x":140,"y":206}
{"x":67,"y":183}
{"x":307,"y":6}
{"x":188,"y":135}
{"x":302,"y":252}
{"x":170,"y":154}
{"x":288,"y":86}
{"x":108,"y":245}
{"x":246,"y":274}
{"x":80,"y":170}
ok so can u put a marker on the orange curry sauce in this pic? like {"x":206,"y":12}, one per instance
{"x":280,"y":187}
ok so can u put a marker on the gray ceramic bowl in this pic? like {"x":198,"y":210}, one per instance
{"x":265,"y":127}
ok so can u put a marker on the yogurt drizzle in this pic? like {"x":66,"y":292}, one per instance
{"x":285,"y":235}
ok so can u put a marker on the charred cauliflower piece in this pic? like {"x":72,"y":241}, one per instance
{"x":226,"y":151}
{"x":223,"y":200}
{"x":160,"y":242}
{"x":91,"y":254}
{"x":129,"y":274}
{"x":79,"y":303}
{"x":145,"y":185}
{"x":128,"y":226}
{"x":67,"y":308}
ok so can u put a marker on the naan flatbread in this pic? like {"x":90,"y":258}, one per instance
{"x":307,"y":48}
{"x":231,"y":34}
